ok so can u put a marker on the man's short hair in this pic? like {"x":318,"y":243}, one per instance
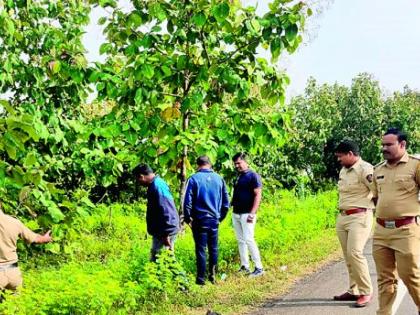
{"x":203,"y":160}
{"x":240,"y":156}
{"x":401,"y":135}
{"x":142,"y":169}
{"x":346,"y":146}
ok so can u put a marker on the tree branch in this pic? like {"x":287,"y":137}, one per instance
{"x":240,"y":48}
{"x":170,"y":94}
{"x":204,"y":47}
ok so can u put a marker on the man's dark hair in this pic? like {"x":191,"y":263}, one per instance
{"x":239,"y":156}
{"x":346,"y":146}
{"x":142,"y":169}
{"x":203,"y":160}
{"x":401,"y":135}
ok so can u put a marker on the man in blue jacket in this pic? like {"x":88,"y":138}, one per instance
{"x":161,"y":216}
{"x":206,"y":204}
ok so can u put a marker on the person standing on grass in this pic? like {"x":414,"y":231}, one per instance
{"x":10,"y":230}
{"x":396,"y":239}
{"x":354,"y":223}
{"x":246,"y":201}
{"x":206,"y":204}
{"x":161,"y":216}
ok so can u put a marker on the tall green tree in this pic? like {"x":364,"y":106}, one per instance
{"x":190,"y":77}
{"x":315,"y":117}
{"x":402,"y":110}
{"x":362,"y":116}
{"x":327,"y":114}
{"x":42,"y":84}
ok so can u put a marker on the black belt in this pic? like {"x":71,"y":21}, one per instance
{"x":9,"y":266}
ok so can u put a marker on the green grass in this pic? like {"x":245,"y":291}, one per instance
{"x":106,"y":271}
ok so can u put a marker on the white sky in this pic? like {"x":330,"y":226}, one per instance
{"x":350,"y":37}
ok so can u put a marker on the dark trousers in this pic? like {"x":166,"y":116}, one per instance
{"x":206,"y":236}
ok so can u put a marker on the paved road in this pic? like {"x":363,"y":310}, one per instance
{"x":313,"y":295}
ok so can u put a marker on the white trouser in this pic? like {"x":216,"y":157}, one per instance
{"x":245,"y":235}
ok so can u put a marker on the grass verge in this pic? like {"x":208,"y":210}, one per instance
{"x":105,"y":268}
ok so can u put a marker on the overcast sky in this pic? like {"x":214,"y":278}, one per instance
{"x":350,"y":36}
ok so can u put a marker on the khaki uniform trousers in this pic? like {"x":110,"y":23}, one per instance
{"x":10,"y":278}
{"x":397,"y":252}
{"x":353,"y":231}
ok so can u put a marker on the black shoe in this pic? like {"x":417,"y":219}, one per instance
{"x":346,"y":296}
{"x":200,"y":282}
{"x":244,"y":269}
{"x":212,"y":278}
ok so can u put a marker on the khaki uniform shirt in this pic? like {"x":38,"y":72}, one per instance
{"x":10,"y":230}
{"x":354,"y":185}
{"x":397,"y":188}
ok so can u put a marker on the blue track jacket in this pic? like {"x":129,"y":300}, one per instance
{"x":161,"y":217}
{"x":206,"y":197}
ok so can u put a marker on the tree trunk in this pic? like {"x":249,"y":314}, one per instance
{"x":184,"y":157}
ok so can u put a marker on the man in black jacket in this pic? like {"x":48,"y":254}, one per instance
{"x":161,"y":216}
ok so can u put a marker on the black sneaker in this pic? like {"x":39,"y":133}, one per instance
{"x":200,"y":282}
{"x":257,"y":273}
{"x":244,"y":269}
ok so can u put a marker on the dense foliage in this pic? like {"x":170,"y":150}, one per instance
{"x":327,"y":114}
{"x":181,"y":78}
{"x":188,"y":81}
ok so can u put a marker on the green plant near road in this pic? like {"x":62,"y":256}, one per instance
{"x":106,"y":271}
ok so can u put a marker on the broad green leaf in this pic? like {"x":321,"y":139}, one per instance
{"x":55,"y":66}
{"x":94,"y":76}
{"x":151,"y":152}
{"x":106,"y":3}
{"x":76,"y":75}
{"x":221,"y":11}
{"x":139,"y":96}
{"x":276,"y":47}
{"x":291,"y":32}
{"x":135,"y":19}
{"x":8,"y":107}
{"x":147,"y":71}
{"x":30,"y":160}
{"x":157,"y":11}
{"x":10,"y":26}
{"x":182,"y":62}
{"x":55,"y":212}
{"x":53,"y":248}
{"x":199,"y":19}
{"x":166,"y":70}
{"x":256,"y":25}
{"x":104,"y":48}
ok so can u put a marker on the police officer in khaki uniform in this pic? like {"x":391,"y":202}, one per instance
{"x":354,"y":223}
{"x":396,"y":240}
{"x":10,"y":230}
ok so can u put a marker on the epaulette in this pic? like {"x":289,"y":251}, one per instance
{"x":379,"y":164}
{"x":415,"y":156}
